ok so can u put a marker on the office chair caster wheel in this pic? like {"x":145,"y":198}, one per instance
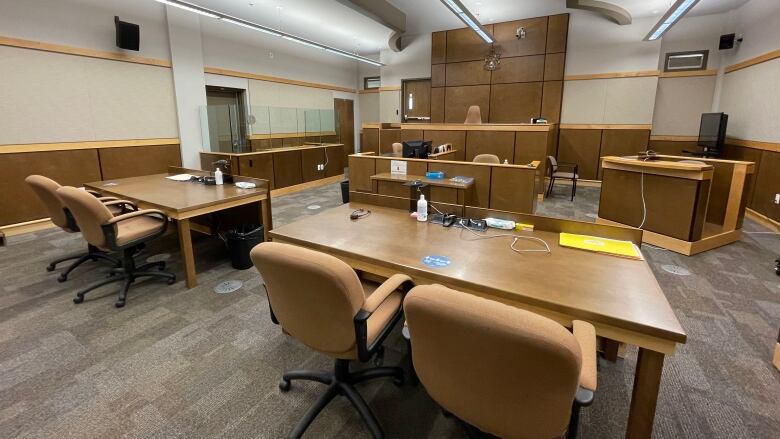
{"x":172,"y":280}
{"x":62,"y":278}
{"x":379,"y":357}
{"x":78,"y":299}
{"x":398,"y":381}
{"x":284,"y":385}
{"x":119,"y":303}
{"x":50,"y":267}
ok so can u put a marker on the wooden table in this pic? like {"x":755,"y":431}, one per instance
{"x":620,"y":297}
{"x":182,"y":201}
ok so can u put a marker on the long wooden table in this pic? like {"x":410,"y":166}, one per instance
{"x":183,"y":201}
{"x":620,"y":297}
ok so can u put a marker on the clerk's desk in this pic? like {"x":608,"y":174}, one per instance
{"x":620,"y":297}
{"x":691,"y":204}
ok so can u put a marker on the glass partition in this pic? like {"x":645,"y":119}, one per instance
{"x":268,"y":127}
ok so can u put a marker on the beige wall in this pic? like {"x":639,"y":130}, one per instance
{"x":679,"y":104}
{"x":51,"y":97}
{"x":609,"y":101}
{"x":390,"y":106}
{"x":274,"y":94}
{"x":369,"y":107}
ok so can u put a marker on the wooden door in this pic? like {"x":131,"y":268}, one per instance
{"x":416,"y":100}
{"x":345,"y":113}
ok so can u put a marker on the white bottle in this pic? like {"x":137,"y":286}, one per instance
{"x":506,"y":161}
{"x":218,"y":176}
{"x":422,"y":209}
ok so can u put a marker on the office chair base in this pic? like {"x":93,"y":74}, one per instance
{"x":340,"y":382}
{"x":127,"y":274}
{"x":92,"y":254}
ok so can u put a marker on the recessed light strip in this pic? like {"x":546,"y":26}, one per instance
{"x":260,"y":28}
{"x":674,"y":14}
{"x":471,"y":21}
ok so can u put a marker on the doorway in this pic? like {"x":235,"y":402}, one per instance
{"x":416,"y":100}
{"x":226,"y":119}
{"x":345,"y":117}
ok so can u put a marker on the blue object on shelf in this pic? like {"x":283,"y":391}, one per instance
{"x":434,"y":174}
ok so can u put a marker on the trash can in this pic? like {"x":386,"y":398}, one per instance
{"x":345,"y":191}
{"x":240,"y":241}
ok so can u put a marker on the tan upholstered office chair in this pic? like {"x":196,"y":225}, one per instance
{"x":570,"y":173}
{"x":320,"y":301}
{"x":398,"y":148}
{"x":505,"y":371}
{"x":486,"y":158}
{"x":46,"y":190}
{"x":473,"y":115}
{"x":122,"y":233}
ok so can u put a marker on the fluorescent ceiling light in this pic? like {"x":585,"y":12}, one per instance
{"x":471,"y":21}
{"x":674,"y":14}
{"x":260,"y":28}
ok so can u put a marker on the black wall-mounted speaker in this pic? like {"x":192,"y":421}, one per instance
{"x":726,"y":42}
{"x":128,"y":35}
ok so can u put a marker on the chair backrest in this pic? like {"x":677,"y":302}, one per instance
{"x":89,"y":212}
{"x":473,"y":115}
{"x":507,"y":371}
{"x":553,"y":163}
{"x":46,"y":190}
{"x":314,"y":296}
{"x":398,"y":148}
{"x":486,"y":158}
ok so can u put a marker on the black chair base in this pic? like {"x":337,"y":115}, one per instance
{"x":573,"y":188}
{"x":341,"y":382}
{"x":127,"y":274}
{"x":92,"y":254}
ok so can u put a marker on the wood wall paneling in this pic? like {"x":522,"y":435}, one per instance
{"x":530,"y":147}
{"x":767,"y":184}
{"x":370,"y":140}
{"x":386,"y":139}
{"x":412,"y":168}
{"x":623,"y":142}
{"x":479,"y":194}
{"x":583,"y":148}
{"x":407,"y":135}
{"x":557,"y":33}
{"x":504,"y":193}
{"x":360,"y":171}
{"x":466,"y":73}
{"x":519,"y":69}
{"x":499,"y":143}
{"x":19,"y":203}
{"x":287,"y":168}
{"x":439,"y":47}
{"x":456,"y":138}
{"x":465,"y":45}
{"x":138,"y":160}
{"x":552,"y":98}
{"x":457,"y":100}
{"x":257,"y":166}
{"x":534,"y":42}
{"x":512,"y":103}
{"x":310,"y":158}
{"x":668,"y":147}
{"x":335,"y":161}
{"x":438,"y":75}
{"x":554,"y":65}
{"x":437,"y":104}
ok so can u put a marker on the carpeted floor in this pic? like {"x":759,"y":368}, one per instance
{"x":196,"y":364}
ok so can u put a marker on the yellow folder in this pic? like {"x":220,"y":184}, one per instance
{"x":625,"y":249}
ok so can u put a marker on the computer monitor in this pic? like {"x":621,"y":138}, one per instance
{"x":416,"y":149}
{"x":712,"y":132}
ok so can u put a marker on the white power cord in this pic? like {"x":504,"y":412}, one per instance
{"x":644,"y":206}
{"x":514,"y":241}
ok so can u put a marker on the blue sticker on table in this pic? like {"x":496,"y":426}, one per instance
{"x":435,"y":261}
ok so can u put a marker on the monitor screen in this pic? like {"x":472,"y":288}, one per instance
{"x":418,"y":149}
{"x":712,"y":130}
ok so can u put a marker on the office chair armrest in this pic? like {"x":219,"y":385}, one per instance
{"x":388,"y":287}
{"x":104,"y":199}
{"x":95,"y":193}
{"x":126,"y":216}
{"x":573,"y":166}
{"x":118,"y":202}
{"x":585,"y":334}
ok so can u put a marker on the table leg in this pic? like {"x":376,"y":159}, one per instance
{"x":647,"y":381}
{"x":185,"y":242}
{"x":611,"y":348}
{"x":267,"y":217}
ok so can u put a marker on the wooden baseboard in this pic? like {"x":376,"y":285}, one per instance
{"x":308,"y":185}
{"x":687,"y":248}
{"x":26,"y":227}
{"x":764,"y":220}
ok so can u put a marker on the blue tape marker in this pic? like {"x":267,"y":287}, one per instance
{"x":435,"y":261}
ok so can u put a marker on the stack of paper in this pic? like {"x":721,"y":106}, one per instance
{"x":625,"y":249}
{"x":180,"y":177}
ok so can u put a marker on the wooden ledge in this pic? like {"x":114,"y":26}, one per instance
{"x":91,"y":144}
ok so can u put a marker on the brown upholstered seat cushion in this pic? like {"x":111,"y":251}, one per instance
{"x":132,"y":229}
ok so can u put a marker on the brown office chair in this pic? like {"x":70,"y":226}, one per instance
{"x":122,"y":233}
{"x":46,"y":190}
{"x":571,"y":173}
{"x":320,"y":301}
{"x":473,"y":115}
{"x":486,"y":158}
{"x":398,"y":148}
{"x":502,"y":370}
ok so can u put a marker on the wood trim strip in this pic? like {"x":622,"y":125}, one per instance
{"x":689,"y":74}
{"x":755,"y":144}
{"x":26,"y":227}
{"x":390,"y":88}
{"x":255,"y":76}
{"x":574,"y":126}
{"x":762,"y":219}
{"x":92,"y":144}
{"x":291,"y":135}
{"x":613,"y":75}
{"x":81,"y":51}
{"x":675,"y":138}
{"x":477,"y":127}
{"x":368,"y":91}
{"x":753,"y":61}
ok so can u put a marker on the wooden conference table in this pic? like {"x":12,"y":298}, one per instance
{"x":183,"y":201}
{"x":620,"y":297}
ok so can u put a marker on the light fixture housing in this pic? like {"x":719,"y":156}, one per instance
{"x":265,"y":29}
{"x":467,"y":17}
{"x":672,"y":16}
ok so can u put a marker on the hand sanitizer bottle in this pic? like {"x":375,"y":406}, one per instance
{"x":422,"y":209}
{"x":218,"y":176}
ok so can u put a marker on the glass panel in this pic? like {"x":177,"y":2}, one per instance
{"x":260,"y":120}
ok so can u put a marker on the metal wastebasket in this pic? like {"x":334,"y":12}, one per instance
{"x":345,"y":191}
